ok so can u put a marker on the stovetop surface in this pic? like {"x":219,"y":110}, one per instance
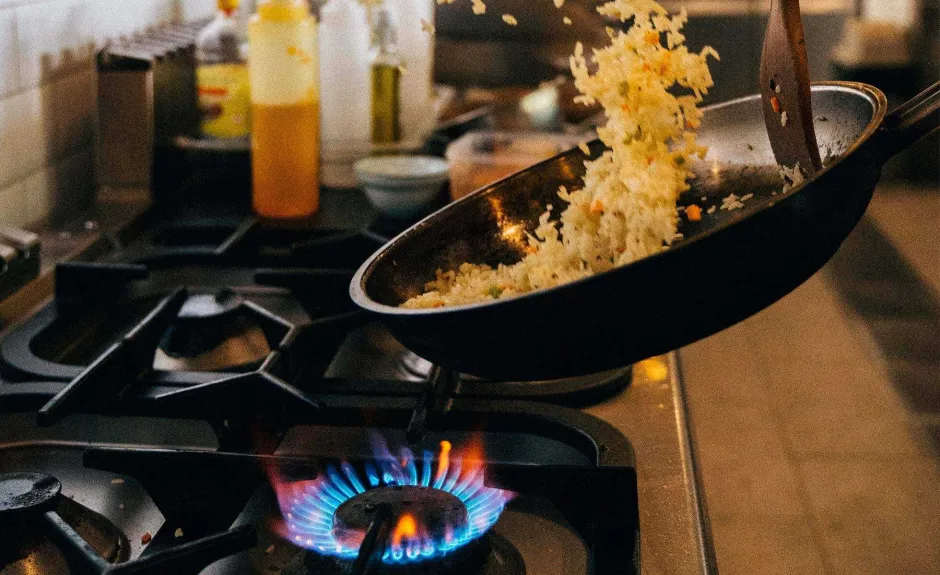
{"x":328,"y":381}
{"x":125,"y":502}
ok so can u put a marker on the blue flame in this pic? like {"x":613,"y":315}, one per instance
{"x":309,"y":506}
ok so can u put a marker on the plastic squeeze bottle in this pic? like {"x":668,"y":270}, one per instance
{"x":285,"y":110}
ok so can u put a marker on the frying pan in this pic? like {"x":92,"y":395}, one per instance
{"x":729,"y":266}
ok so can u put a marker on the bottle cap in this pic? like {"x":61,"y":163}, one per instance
{"x":228,"y":5}
{"x":384,"y":34}
{"x":283,"y":10}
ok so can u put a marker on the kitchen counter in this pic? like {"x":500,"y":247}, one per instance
{"x":674,"y":530}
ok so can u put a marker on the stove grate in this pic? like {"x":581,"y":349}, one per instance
{"x":30,"y":499}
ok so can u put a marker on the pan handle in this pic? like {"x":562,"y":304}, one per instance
{"x":913,"y":120}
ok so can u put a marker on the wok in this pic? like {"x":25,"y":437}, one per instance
{"x":730,"y":265}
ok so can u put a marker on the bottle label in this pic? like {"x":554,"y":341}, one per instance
{"x":224,"y":100}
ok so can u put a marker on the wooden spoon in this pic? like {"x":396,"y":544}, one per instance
{"x":784,"y":78}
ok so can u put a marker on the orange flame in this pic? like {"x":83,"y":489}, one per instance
{"x":473,"y":453}
{"x":444,"y":461}
{"x":407,"y":528}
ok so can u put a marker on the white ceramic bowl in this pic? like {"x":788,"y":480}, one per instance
{"x":402,"y":186}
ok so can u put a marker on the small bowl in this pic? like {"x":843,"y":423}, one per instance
{"x":402,"y":186}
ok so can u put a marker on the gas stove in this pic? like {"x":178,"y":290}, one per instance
{"x":203,"y":397}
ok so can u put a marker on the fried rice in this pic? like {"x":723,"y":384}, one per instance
{"x":649,"y":85}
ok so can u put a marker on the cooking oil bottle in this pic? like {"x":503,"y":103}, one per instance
{"x":222,"y":75}
{"x":386,"y":79}
{"x":285,"y":110}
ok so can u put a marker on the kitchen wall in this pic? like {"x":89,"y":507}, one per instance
{"x":903,"y":12}
{"x":468,"y":47}
{"x":739,"y":38}
{"x":48,"y":95}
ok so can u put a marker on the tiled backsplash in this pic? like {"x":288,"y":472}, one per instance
{"x":48,"y":95}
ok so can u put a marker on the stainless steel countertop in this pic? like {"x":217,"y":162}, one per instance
{"x":675,"y":536}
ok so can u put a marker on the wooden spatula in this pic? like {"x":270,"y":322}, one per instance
{"x":784,"y":78}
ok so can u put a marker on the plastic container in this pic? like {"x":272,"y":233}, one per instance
{"x":285,"y":110}
{"x":344,"y":91}
{"x":480,"y":158}
{"x":402,"y":186}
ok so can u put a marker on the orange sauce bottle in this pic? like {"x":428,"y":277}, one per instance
{"x":285,"y":110}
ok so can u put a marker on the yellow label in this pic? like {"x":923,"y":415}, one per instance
{"x":224,"y":100}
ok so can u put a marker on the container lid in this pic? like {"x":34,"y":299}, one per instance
{"x":402,"y":170}
{"x":512,"y":147}
{"x":283,"y":10}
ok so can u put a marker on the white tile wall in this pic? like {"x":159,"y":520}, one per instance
{"x":9,"y":64}
{"x":23,"y":135}
{"x":51,"y":190}
{"x":53,"y":37}
{"x":48,"y":95}
{"x":12,"y":204}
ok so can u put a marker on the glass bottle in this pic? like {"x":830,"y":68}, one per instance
{"x":285,"y":110}
{"x":222,"y":75}
{"x":386,"y":79}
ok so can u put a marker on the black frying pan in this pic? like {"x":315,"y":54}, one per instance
{"x":729,"y":266}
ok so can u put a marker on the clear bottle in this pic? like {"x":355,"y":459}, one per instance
{"x":386,"y":79}
{"x":222,"y":75}
{"x":285,"y":110}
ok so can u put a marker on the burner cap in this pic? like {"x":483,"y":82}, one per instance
{"x":25,"y":493}
{"x":205,"y":306}
{"x":438,"y":510}
{"x":212,"y":332}
{"x":492,"y":554}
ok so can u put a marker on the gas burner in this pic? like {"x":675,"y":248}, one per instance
{"x":492,"y":554}
{"x":22,"y":494}
{"x":43,"y":532}
{"x":438,"y":508}
{"x":27,"y":500}
{"x":212,"y":332}
{"x":440,"y":513}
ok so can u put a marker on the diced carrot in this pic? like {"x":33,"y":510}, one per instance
{"x":652,"y":37}
{"x":775,"y":103}
{"x":694,"y":213}
{"x":597,"y":207}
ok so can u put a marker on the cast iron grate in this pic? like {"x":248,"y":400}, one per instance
{"x":28,"y":501}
